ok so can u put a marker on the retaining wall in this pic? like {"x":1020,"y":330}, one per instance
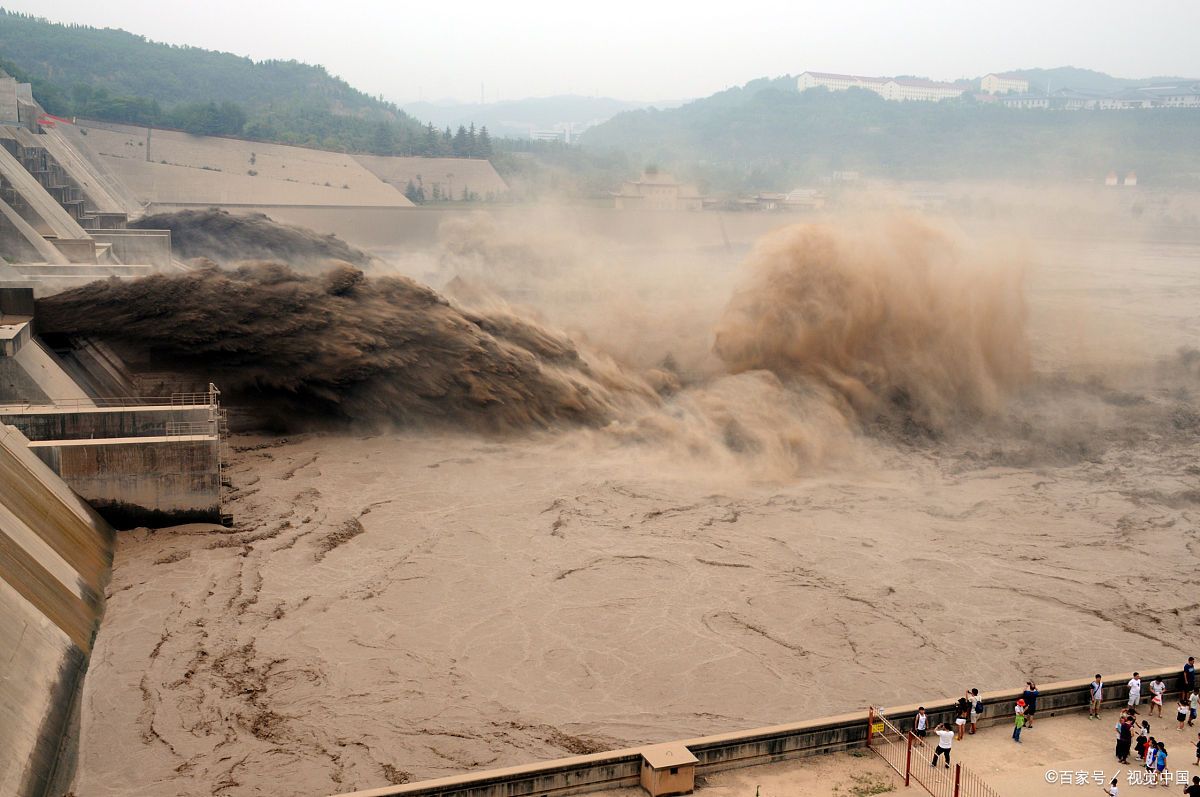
{"x":142,"y":481}
{"x":54,"y":423}
{"x":620,"y":768}
{"x":55,"y":556}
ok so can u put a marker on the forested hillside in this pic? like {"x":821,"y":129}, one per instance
{"x":121,"y":77}
{"x":768,"y":135}
{"x":1042,"y":81}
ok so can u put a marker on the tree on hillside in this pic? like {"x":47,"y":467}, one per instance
{"x":414,"y":192}
{"x":384,"y":140}
{"x":462,"y":144}
{"x":485,"y":143}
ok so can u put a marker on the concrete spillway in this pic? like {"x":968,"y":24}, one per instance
{"x":55,"y":558}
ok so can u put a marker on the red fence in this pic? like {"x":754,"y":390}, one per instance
{"x":907,"y":754}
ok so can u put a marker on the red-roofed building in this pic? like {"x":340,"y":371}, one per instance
{"x":1003,"y":84}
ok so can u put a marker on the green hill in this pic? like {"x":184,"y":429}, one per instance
{"x":767,"y":135}
{"x":122,"y":77}
{"x":1070,"y":77}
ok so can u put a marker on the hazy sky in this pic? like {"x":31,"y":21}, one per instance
{"x":657,"y":49}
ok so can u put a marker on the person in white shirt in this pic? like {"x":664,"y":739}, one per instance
{"x":1157,"y":688}
{"x":945,"y":740}
{"x":1135,"y":690}
{"x":1111,"y":789}
{"x":921,"y":722}
{"x":1097,"y":693}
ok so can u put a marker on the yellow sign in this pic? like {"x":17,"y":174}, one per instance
{"x":877,"y":728}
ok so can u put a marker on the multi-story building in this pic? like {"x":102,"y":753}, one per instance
{"x":993,"y":83}
{"x":657,"y":191}
{"x":890,"y":88}
{"x":1186,"y":95}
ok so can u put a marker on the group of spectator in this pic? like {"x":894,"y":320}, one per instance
{"x":966,"y":718}
{"x":1152,"y":752}
{"x":1131,"y":736}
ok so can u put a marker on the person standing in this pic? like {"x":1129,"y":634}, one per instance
{"x":1018,"y":720}
{"x":962,"y":709}
{"x":921,"y":723}
{"x":1151,"y":753}
{"x":1197,"y":764}
{"x":976,"y":708}
{"x":1193,"y":706}
{"x":1194,"y":789}
{"x":1124,"y":740}
{"x":1181,"y":711}
{"x":1142,"y":737}
{"x":1189,"y":675}
{"x":1097,"y":690}
{"x":945,"y":740}
{"x":1135,"y":690}
{"x":1030,"y":696}
{"x":1157,"y":689}
{"x":1111,"y":789}
{"x":1160,"y":762}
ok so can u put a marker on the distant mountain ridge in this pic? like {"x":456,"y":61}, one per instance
{"x":517,"y":118}
{"x":1042,"y":81}
{"x":767,"y":135}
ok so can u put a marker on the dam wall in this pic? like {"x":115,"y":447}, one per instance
{"x":157,"y":166}
{"x":55,"y":558}
{"x":51,"y":422}
{"x":151,"y":465}
{"x":622,"y":768}
{"x":142,"y":481}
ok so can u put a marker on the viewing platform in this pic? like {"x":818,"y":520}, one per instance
{"x":852,"y":754}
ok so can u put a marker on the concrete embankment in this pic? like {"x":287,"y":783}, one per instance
{"x":622,"y":768}
{"x":55,"y":559}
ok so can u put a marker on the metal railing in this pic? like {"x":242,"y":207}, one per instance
{"x":209,"y":398}
{"x":906,"y":753}
{"x":188,"y":428}
{"x":890,"y":743}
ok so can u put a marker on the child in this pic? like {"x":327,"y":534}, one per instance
{"x":921,"y":723}
{"x":1156,"y":689}
{"x":1197,"y":750}
{"x":1160,"y":763}
{"x":1111,"y":788}
{"x":1194,"y":704}
{"x":1018,"y":721}
{"x":1181,"y":711}
{"x":1143,"y":736}
{"x":1151,"y":754}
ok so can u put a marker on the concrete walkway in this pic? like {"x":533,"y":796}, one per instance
{"x":1068,"y":743}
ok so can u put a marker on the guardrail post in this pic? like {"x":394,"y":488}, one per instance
{"x":908,"y":758}
{"x":957,"y":779}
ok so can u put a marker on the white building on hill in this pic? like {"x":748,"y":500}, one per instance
{"x":1003,"y":84}
{"x":890,"y":88}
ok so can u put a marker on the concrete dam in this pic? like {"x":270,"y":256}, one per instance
{"x":55,"y":555}
{"x":87,"y":445}
{"x":82,"y":449}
